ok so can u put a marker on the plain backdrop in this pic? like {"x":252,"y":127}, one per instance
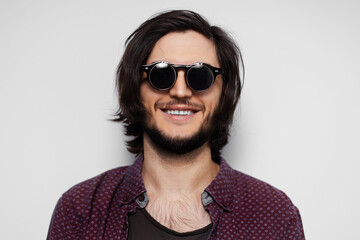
{"x":297,"y":126}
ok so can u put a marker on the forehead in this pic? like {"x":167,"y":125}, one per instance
{"x":184,"y":48}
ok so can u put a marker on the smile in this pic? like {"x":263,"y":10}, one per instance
{"x":180,"y":112}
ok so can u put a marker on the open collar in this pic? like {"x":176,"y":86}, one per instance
{"x":220,"y":189}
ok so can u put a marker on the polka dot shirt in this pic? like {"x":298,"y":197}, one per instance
{"x":241,"y":207}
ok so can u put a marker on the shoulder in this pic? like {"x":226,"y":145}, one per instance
{"x":83,"y":200}
{"x":105,"y":179}
{"x":260,"y":208}
{"x":247,"y":184}
{"x":254,"y":194}
{"x":97,"y":189}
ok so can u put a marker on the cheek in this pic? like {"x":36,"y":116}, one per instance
{"x":146,"y":96}
{"x":215,"y":95}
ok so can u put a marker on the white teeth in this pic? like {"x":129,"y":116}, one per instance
{"x":179,"y":112}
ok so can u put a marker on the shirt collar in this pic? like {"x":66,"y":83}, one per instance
{"x":132,"y":184}
{"x":220,"y":189}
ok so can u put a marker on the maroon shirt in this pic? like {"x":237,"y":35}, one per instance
{"x":241,"y":207}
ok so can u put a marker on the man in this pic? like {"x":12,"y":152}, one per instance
{"x":178,"y":83}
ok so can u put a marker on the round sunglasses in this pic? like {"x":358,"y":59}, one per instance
{"x":199,"y":76}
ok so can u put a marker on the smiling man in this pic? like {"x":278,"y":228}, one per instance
{"x":179,"y":84}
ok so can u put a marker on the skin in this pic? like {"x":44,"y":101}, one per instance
{"x":174,"y":182}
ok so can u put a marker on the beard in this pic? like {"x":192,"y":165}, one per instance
{"x":182,"y":145}
{"x":178,"y":145}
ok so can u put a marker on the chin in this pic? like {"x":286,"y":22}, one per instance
{"x":179,"y":143}
{"x":179,"y":135}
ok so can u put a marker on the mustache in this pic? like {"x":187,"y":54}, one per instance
{"x":179,"y":102}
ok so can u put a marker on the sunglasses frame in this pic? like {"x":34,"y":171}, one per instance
{"x":149,"y":67}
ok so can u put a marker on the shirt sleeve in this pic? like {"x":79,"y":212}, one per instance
{"x":66,"y":223}
{"x":295,"y":229}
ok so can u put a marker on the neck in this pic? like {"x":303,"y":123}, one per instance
{"x":174,"y":174}
{"x":174,"y":184}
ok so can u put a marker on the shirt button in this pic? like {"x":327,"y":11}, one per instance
{"x":125,"y":227}
{"x":141,"y":198}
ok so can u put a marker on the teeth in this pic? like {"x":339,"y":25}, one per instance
{"x":179,"y":112}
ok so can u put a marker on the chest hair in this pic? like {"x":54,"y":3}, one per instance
{"x":181,"y":214}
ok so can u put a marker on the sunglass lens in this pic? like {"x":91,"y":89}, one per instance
{"x":200,"y":78}
{"x":162,"y":76}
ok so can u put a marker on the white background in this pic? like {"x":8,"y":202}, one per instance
{"x":297,"y":127}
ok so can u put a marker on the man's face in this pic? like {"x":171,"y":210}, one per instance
{"x":166,"y":107}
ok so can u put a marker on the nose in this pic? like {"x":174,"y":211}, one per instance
{"x":180,"y":88}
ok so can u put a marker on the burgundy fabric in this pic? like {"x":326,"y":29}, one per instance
{"x":242,"y":207}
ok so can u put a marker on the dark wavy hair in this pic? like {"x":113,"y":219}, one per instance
{"x":138,"y":47}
